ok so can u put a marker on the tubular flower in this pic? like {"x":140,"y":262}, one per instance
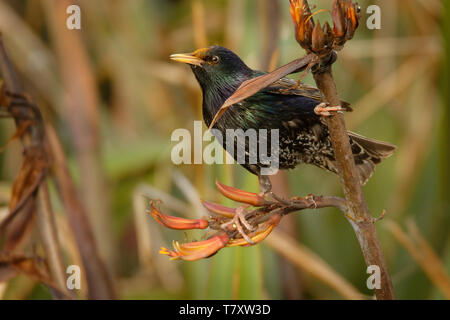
{"x":176,"y":222}
{"x":242,"y":196}
{"x":196,"y":250}
{"x":258,"y":224}
{"x":321,"y":40}
{"x":219,"y":209}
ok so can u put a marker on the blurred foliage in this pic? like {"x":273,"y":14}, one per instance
{"x":396,"y":79}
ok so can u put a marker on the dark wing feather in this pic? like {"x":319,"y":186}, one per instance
{"x":286,"y":86}
{"x":368,"y":153}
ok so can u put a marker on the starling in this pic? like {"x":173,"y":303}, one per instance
{"x":297,"y":111}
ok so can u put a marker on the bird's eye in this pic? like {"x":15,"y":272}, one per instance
{"x":215,"y":59}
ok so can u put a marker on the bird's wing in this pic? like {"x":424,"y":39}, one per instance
{"x":290,"y":114}
{"x":286,"y":86}
{"x":268,"y":108}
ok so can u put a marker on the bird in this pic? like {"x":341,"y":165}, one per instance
{"x":297,"y":110}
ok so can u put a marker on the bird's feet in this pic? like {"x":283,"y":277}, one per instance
{"x":238,"y":222}
{"x":324,"y":110}
{"x":265,"y":186}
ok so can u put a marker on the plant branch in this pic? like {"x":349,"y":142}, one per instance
{"x":324,"y":42}
{"x":266,"y":209}
{"x":284,"y":207}
{"x":359,"y":214}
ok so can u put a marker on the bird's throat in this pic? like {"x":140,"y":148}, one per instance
{"x":214,"y":96}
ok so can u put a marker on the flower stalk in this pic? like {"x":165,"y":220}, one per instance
{"x":261,"y":215}
{"x":324,"y":42}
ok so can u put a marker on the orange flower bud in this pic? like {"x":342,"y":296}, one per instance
{"x":242,"y":196}
{"x":219,"y":209}
{"x":176,"y":222}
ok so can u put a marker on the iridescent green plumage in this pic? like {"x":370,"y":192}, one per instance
{"x":303,"y":135}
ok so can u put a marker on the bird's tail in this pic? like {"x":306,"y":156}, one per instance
{"x":367,"y":153}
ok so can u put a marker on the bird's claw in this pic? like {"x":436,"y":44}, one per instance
{"x":324,"y":110}
{"x":238,"y":221}
{"x":310,"y":197}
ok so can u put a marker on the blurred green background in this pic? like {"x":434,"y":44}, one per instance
{"x":129,"y":97}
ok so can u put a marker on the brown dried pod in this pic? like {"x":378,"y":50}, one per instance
{"x":353,"y":15}
{"x":338,"y":17}
{"x":303,"y":24}
{"x":328,"y":32}
{"x":318,"y":39}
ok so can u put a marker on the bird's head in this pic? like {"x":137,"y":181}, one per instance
{"x":215,"y":66}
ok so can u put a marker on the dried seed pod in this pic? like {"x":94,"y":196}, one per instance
{"x":314,"y":39}
{"x":353,"y":16}
{"x":338,"y":17}
{"x":303,"y":24}
{"x":328,"y":35}
{"x":318,"y":39}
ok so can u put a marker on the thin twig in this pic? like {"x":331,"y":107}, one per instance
{"x":280,"y":207}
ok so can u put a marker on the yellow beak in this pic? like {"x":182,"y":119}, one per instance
{"x":188,"y":58}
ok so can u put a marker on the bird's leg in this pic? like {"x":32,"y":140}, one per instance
{"x":266,"y":187}
{"x":323,"y":109}
{"x":264,"y":184}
